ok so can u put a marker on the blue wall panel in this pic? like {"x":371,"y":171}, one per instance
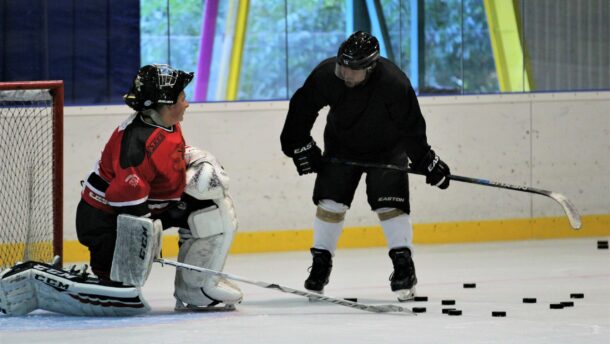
{"x":92,"y":45}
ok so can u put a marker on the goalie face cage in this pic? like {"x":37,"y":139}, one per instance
{"x":31,"y":171}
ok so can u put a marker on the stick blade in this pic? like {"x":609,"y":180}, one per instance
{"x":569,"y":209}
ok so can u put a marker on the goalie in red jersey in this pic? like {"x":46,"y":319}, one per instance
{"x":142,"y":176}
{"x":146,"y":180}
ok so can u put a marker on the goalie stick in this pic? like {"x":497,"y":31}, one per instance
{"x":314,"y":296}
{"x":568,"y":207}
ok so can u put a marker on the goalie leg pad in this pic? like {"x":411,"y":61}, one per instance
{"x":17,"y":292}
{"x":207,"y":245}
{"x":138,"y":243}
{"x":69,"y":293}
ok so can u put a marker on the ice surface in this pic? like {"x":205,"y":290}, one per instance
{"x":504,"y":274}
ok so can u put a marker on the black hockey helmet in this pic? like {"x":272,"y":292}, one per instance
{"x":156,"y":84}
{"x":359,"y":51}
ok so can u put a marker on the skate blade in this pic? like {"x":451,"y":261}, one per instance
{"x":197,"y":309}
{"x":405,"y":294}
{"x":312,"y":299}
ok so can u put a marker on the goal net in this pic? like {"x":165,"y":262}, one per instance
{"x":31,"y":139}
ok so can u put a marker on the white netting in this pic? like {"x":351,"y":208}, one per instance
{"x":26,"y":176}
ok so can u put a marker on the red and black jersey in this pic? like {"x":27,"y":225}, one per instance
{"x":142,"y":168}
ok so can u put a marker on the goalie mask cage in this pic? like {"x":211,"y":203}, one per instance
{"x":31,"y":171}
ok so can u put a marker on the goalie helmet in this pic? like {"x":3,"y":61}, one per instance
{"x":157,"y":84}
{"x":359,"y":51}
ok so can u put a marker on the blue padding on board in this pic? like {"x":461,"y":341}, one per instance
{"x":91,"y":51}
{"x":61,"y":46}
{"x":124,"y":39}
{"x":23,"y":43}
{"x":93,"y":45}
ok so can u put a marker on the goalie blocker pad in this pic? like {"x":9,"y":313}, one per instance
{"x":33,"y":285}
{"x":138,"y":243}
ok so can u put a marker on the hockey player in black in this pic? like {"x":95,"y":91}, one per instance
{"x":374,"y":117}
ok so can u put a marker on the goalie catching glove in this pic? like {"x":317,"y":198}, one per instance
{"x":436,"y":171}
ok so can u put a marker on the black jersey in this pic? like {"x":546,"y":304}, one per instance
{"x":378,"y":121}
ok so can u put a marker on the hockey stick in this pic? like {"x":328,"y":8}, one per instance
{"x":315,"y":296}
{"x":568,"y":207}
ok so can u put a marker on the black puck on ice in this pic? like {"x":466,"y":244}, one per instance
{"x":556,"y":306}
{"x":455,"y":312}
{"x":529,"y":300}
{"x":567,"y":303}
{"x":448,"y":302}
{"x":420,"y":298}
{"x":602,"y":247}
{"x":446,"y":310}
{"x":353,"y":299}
{"x":419,"y":309}
{"x":470,"y":285}
{"x":498,"y":314}
{"x":602,"y":242}
{"x":577,"y":296}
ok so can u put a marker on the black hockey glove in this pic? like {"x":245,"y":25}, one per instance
{"x":435,"y":169}
{"x":307,"y":158}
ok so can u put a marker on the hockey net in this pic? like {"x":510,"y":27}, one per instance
{"x":31,"y":168}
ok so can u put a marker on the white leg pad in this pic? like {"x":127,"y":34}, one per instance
{"x":207,"y":245}
{"x":67,"y":293}
{"x":138,"y":243}
{"x":17,"y":293}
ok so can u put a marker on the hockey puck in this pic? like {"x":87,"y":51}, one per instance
{"x":455,"y":312}
{"x":446,"y":310}
{"x":470,"y":285}
{"x":352,"y":299}
{"x":498,"y":314}
{"x":420,"y":298}
{"x":602,"y":242}
{"x":448,"y":302}
{"x":529,"y":300}
{"x":419,"y":309}
{"x":556,"y":306}
{"x":577,"y":296}
{"x":567,"y":303}
{"x":602,"y":247}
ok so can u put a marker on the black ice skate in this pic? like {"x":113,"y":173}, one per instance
{"x":319,"y":270}
{"x":403,"y":279}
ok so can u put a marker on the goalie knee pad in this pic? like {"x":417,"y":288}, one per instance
{"x":207,"y":245}
{"x":33,"y":285}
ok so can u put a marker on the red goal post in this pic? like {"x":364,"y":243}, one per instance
{"x":31,"y":158}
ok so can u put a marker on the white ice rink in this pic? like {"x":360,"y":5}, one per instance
{"x":504,"y":274}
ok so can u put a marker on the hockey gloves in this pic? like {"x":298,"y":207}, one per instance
{"x":435,"y":169}
{"x":307,"y":158}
